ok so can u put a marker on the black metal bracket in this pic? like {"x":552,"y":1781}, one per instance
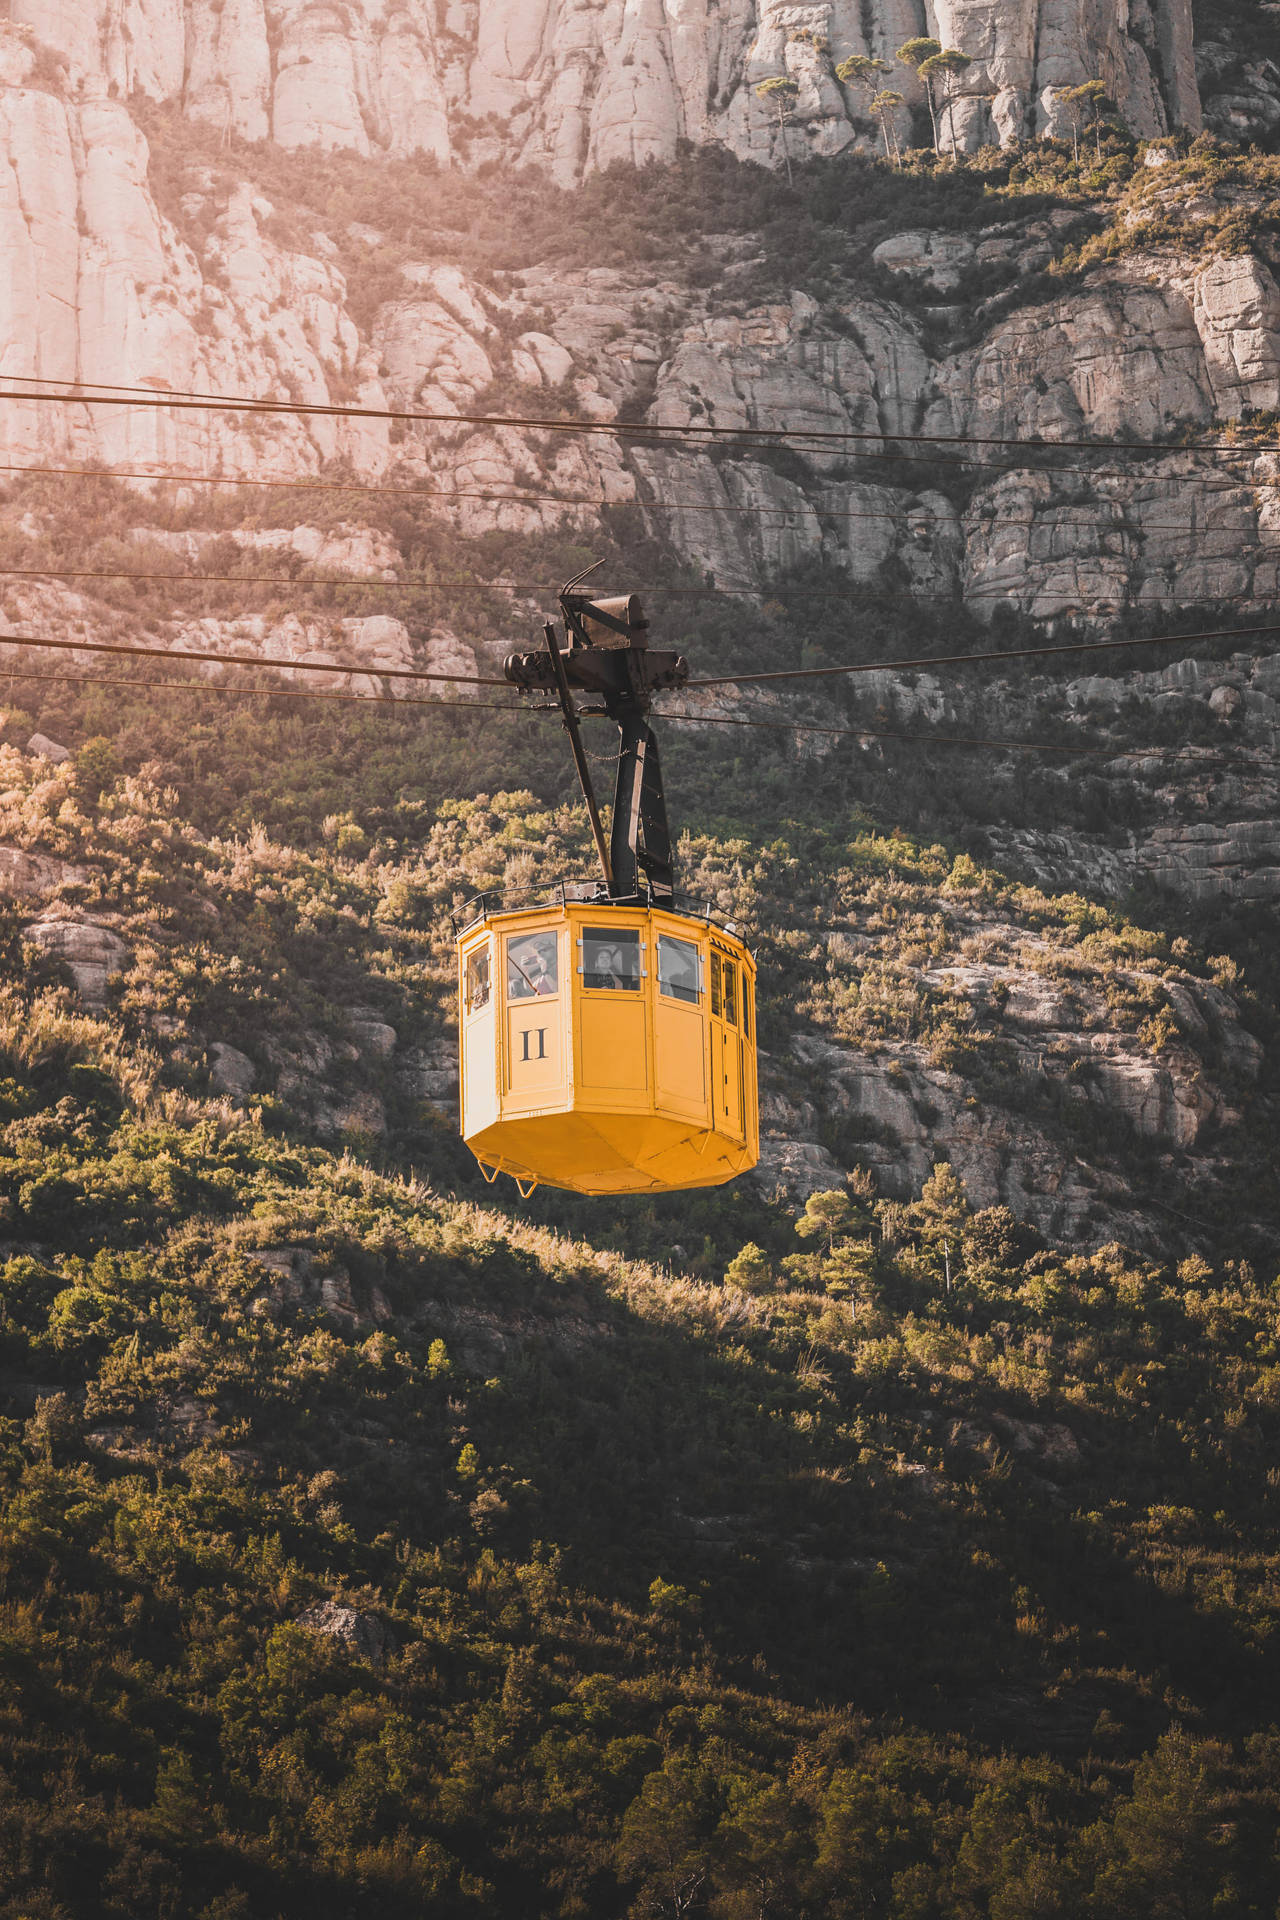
{"x":607,"y":655}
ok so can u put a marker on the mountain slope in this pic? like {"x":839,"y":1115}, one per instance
{"x":390,"y":1551}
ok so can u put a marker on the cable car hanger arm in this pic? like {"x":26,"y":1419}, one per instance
{"x":571,"y":727}
{"x":607,"y":655}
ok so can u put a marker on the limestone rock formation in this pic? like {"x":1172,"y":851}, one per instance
{"x":230,"y":1071}
{"x":574,"y":85}
{"x":25,"y":875}
{"x":362,"y":1635}
{"x":1238,"y":80}
{"x":215,"y":296}
{"x":92,"y":953}
{"x":51,"y":750}
{"x":1175,"y":1086}
{"x":100,"y":288}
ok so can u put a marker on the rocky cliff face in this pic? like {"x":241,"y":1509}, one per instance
{"x":945,"y":331}
{"x":211,"y":295}
{"x":575,"y":86}
{"x":98,"y":286}
{"x":104,"y":288}
{"x":1084,"y":541}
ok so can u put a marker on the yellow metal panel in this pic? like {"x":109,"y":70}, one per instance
{"x":535,"y":1073}
{"x":680,"y":1069}
{"x":727,"y":1090}
{"x":610,"y":1153}
{"x":613,"y":1044}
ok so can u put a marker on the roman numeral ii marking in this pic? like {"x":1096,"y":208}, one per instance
{"x":526,"y":1035}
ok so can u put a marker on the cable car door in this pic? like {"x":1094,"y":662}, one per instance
{"x":479,"y":1041}
{"x":534,"y":1064}
{"x":726,"y":1046}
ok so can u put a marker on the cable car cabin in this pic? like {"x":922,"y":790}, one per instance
{"x":608,"y":1048}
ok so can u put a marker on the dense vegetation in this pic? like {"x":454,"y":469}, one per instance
{"x":923,"y":1571}
{"x":696,"y":1558}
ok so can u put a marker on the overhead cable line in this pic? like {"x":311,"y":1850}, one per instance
{"x":936,"y":462}
{"x":976,"y":659}
{"x":201,"y":687}
{"x":186,"y":400}
{"x":266,"y":693}
{"x":365,"y":670}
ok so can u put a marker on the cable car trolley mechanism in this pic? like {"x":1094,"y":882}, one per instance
{"x":608,"y":1041}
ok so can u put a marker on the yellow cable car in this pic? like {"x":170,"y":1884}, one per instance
{"x":608,"y":1044}
{"x":608,"y":1049}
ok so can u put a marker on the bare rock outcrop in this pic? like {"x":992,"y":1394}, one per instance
{"x":93,"y":954}
{"x":1239,"y":85}
{"x":100,"y":288}
{"x":430,"y":1073}
{"x":912,"y":1115}
{"x":103,"y":286}
{"x":230,"y":1071}
{"x":25,"y":875}
{"x":1142,"y":349}
{"x":46,"y":749}
{"x":363,"y":1635}
{"x":294,"y":1281}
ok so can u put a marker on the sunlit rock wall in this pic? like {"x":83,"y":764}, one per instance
{"x":574,"y":85}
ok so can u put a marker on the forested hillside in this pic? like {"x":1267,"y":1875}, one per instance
{"x":371,"y":1549}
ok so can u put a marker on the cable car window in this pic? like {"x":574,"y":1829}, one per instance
{"x":532,"y":966}
{"x":746,"y":1008}
{"x":478,"y":980}
{"x":715,"y":984}
{"x":611,"y":959}
{"x":678,"y":969}
{"x":730,"y":994}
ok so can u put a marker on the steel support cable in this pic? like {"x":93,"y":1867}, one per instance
{"x":956,"y":465}
{"x":201,"y":687}
{"x":364,"y":670}
{"x":187,"y":400}
{"x":265,"y":693}
{"x":978,"y":659}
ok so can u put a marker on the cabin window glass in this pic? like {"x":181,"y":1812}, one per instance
{"x":477,"y":979}
{"x":715,"y":985}
{"x":730,"y":993}
{"x":611,"y":959}
{"x":746,"y":1007}
{"x":532,"y":966}
{"x":678,"y":969}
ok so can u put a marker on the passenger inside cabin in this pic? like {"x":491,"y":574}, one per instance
{"x":611,"y":959}
{"x":531,"y":966}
